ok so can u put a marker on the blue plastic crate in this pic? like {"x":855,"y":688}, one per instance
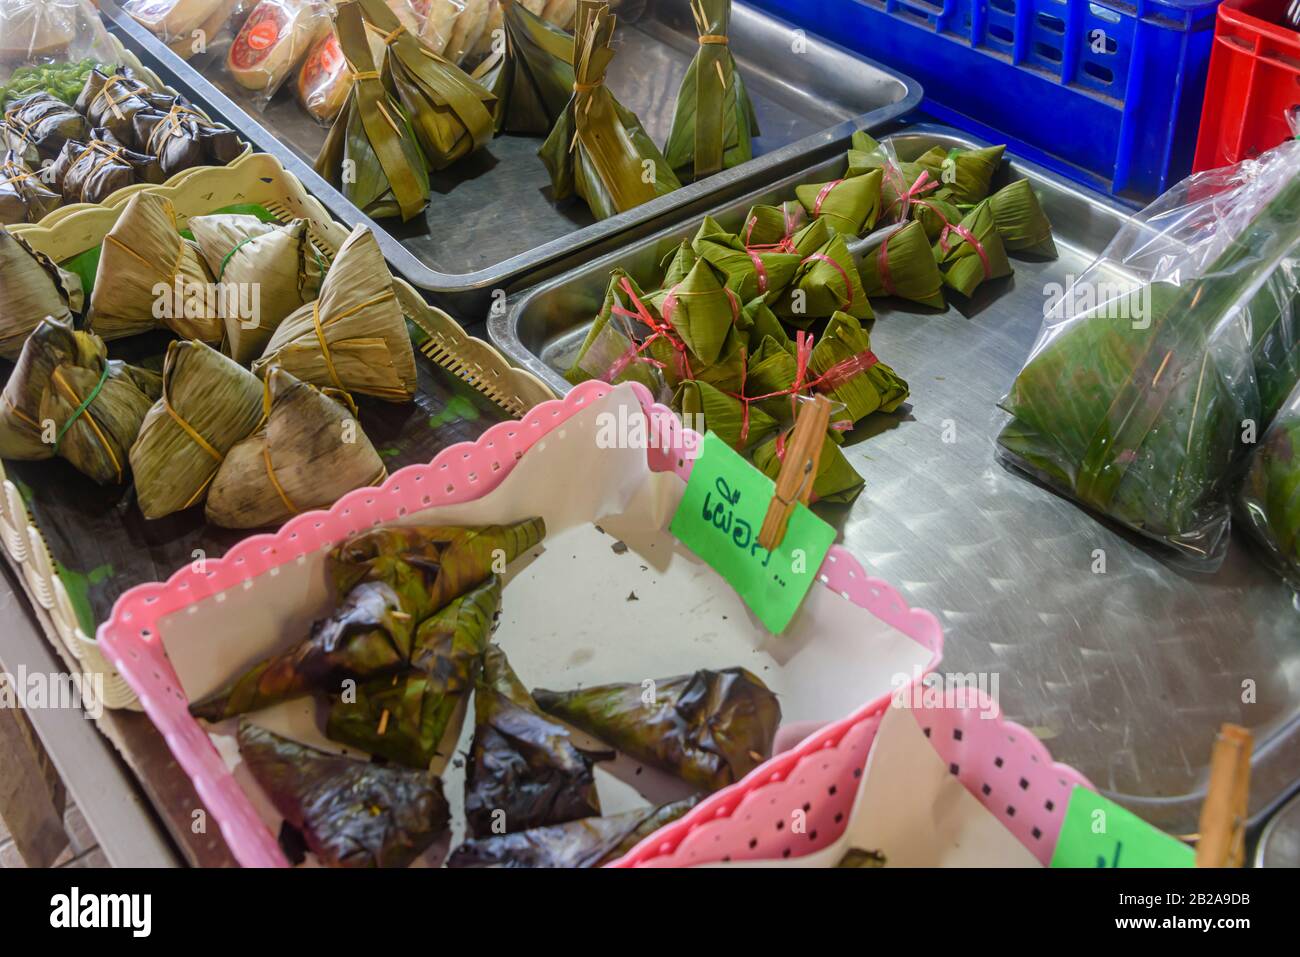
{"x":1106,"y":93}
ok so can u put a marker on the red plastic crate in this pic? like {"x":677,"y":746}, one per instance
{"x":1254,"y":82}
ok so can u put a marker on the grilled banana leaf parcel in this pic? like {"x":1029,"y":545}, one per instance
{"x":1135,"y":407}
{"x":351,"y":813}
{"x":405,"y":718}
{"x":587,"y":842}
{"x":710,"y":728}
{"x":1269,"y":500}
{"x":368,"y":634}
{"x":429,"y":565}
{"x":524,"y":770}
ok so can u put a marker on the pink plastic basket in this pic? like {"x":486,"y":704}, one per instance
{"x":460,"y":474}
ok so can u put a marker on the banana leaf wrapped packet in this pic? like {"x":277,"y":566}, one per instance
{"x":710,"y":728}
{"x":111,"y":100}
{"x":773,"y":227}
{"x":903,"y":265}
{"x":1021,"y":222}
{"x":406,"y":717}
{"x":971,"y":252}
{"x":524,"y":771}
{"x":353,"y":337}
{"x":586,"y":842}
{"x":836,"y":480}
{"x":308,"y":453}
{"x":714,"y":122}
{"x":66,"y":398}
{"x":351,"y":813}
{"x":1268,"y":502}
{"x":826,"y":282}
{"x":1134,"y":406}
{"x":451,"y":114}
{"x":599,"y":150}
{"x":280,"y":262}
{"x":738,"y":423}
{"x":182,"y":137}
{"x":966,"y":174}
{"x":531,"y":75}
{"x":207,"y":405}
{"x":902,"y":184}
{"x":42,"y":123}
{"x":32,"y":288}
{"x":849,"y":206}
{"x":92,"y":171}
{"x":612,"y":350}
{"x":372,"y":139}
{"x":749,"y":273}
{"x":430,"y":565}
{"x":24,"y":198}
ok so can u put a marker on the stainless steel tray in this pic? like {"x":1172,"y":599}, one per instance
{"x":1126,"y":675}
{"x":492,"y":224}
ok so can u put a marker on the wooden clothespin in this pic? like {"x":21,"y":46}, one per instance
{"x":798,"y":470}
{"x":1222,"y":840}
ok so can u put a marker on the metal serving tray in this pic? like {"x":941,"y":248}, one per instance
{"x":492,"y":225}
{"x":1126,"y":675}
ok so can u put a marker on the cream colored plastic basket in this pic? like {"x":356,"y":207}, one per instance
{"x":256,"y":178}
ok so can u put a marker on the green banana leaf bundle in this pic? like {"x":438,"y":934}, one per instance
{"x":967,"y":174}
{"x":587,"y":842}
{"x":836,"y":480}
{"x":773,"y":227}
{"x":405,"y":718}
{"x":350,"y":813}
{"x":531,"y":74}
{"x":749,"y":273}
{"x":610,"y":352}
{"x":850,"y":206}
{"x":935,"y":214}
{"x":371,"y":153}
{"x":826,"y":282}
{"x":1268,"y":502}
{"x":737,"y":423}
{"x":901,"y":183}
{"x":524,"y":771}
{"x":1021,"y":222}
{"x":430,"y":565}
{"x":598,"y":149}
{"x":903,"y":265}
{"x":762,"y":324}
{"x":450,"y":113}
{"x":844,"y":368}
{"x":1135,"y":407}
{"x":972,"y":252}
{"x":714,"y":123}
{"x":710,"y":728}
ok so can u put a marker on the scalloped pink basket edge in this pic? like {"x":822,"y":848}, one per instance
{"x":463,"y":473}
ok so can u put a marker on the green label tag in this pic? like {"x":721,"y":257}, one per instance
{"x":719,"y":518}
{"x":1100,"y":833}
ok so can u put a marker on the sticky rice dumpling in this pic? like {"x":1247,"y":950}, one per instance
{"x":66,"y":398}
{"x":714,"y":123}
{"x":111,"y":100}
{"x":45,"y":122}
{"x":92,"y":171}
{"x":371,"y":152}
{"x":429,"y":565}
{"x":972,"y":252}
{"x":966,"y":174}
{"x":351,"y":813}
{"x":710,"y":728}
{"x":208,"y":404}
{"x":1021,"y":222}
{"x":405,"y":719}
{"x":849,"y":206}
{"x":450,"y":112}
{"x":354,"y":336}
{"x":279,"y":262}
{"x":524,"y":770}
{"x":32,"y":287}
{"x":903,"y":265}
{"x":24,"y":197}
{"x":309,"y":453}
{"x":599,"y":150}
{"x":145,"y":255}
{"x":587,"y":842}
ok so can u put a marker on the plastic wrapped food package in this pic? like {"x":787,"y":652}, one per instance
{"x":46,"y":31}
{"x":273,"y":41}
{"x":1155,"y":368}
{"x":1268,"y":502}
{"x":184,"y":25}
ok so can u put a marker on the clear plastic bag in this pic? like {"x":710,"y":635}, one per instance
{"x":51,"y":31}
{"x":273,"y":42}
{"x":1268,"y":502}
{"x":186,"y":26}
{"x":1142,"y":390}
